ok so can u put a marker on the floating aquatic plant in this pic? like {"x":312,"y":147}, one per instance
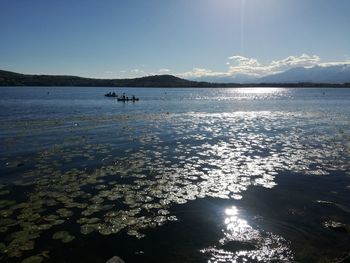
{"x":33,"y":259}
{"x":64,"y":236}
{"x":131,"y":189}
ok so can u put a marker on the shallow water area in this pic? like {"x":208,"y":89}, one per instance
{"x":183,"y":175}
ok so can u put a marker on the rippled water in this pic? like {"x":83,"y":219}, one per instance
{"x":183,"y":175}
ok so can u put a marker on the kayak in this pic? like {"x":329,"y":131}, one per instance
{"x":121,"y":99}
{"x":111,"y":95}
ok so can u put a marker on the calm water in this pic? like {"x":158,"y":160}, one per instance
{"x":183,"y":175}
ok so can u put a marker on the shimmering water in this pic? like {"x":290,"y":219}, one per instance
{"x":183,"y":175}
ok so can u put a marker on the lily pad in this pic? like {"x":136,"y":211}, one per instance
{"x":28,"y":245}
{"x":87,"y":229}
{"x":64,"y":236}
{"x":64,"y":212}
{"x":4,"y":192}
{"x":33,"y":259}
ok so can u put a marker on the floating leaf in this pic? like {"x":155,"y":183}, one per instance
{"x":64,"y":236}
{"x":33,"y":259}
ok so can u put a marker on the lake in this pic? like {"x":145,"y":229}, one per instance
{"x":183,"y":175}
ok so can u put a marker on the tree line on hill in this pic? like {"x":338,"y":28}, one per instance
{"x":8,"y":78}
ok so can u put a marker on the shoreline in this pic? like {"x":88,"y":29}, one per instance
{"x":13,"y":79}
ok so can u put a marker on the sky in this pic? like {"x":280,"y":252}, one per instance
{"x":187,"y":38}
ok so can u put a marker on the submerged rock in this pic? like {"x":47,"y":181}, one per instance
{"x":337,"y":226}
{"x":115,"y":259}
{"x":234,"y":246}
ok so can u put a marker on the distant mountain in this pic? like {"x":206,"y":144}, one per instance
{"x":238,"y":78}
{"x":8,"y":78}
{"x":298,"y":79}
{"x":317,"y":74}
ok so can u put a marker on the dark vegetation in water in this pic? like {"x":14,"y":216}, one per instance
{"x":8,"y":78}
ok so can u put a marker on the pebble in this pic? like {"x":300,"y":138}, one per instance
{"x":115,"y":259}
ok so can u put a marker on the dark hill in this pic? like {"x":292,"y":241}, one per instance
{"x":8,"y":78}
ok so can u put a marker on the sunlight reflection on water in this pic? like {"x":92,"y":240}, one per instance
{"x":262,"y":90}
{"x":259,"y":93}
{"x":243,"y":243}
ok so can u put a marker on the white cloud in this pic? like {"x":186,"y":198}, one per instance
{"x":142,"y":72}
{"x":292,"y":61}
{"x":240,"y":65}
{"x":133,"y":73}
{"x":327,"y":64}
{"x":244,"y":61}
{"x":164,"y":70}
{"x":251,"y":66}
{"x":201,"y":72}
{"x":137,"y":71}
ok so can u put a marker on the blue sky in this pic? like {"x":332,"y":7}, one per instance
{"x":129,"y":38}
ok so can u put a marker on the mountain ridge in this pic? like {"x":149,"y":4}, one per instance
{"x":317,"y":74}
{"x":324,"y":74}
{"x":9,"y":78}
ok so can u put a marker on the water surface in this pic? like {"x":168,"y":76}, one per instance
{"x":183,"y":175}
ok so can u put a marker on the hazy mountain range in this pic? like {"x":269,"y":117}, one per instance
{"x":318,"y":74}
{"x":297,"y":77}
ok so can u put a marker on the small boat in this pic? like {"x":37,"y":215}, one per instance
{"x":128,"y":99}
{"x":111,"y":95}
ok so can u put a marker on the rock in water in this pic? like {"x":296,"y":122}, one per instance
{"x":115,"y":259}
{"x":235,"y":246}
{"x":337,"y":226}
